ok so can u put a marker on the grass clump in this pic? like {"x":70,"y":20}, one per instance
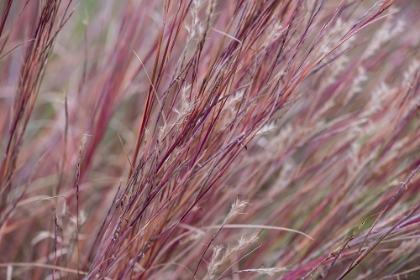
{"x":209,"y":139}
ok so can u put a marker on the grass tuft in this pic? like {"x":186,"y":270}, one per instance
{"x":209,"y":139}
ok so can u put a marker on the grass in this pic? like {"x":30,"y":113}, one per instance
{"x":209,"y":139}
